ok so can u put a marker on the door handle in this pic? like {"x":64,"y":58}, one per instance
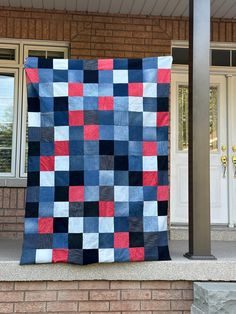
{"x":224,"y":160}
{"x":234,"y":160}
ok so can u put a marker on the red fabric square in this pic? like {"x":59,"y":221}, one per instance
{"x":105,"y":64}
{"x":136,"y":254}
{"x":163,"y":76}
{"x":76,"y":193}
{"x":59,"y":255}
{"x":162,"y":193}
{"x":75,"y":89}
{"x":105,"y":103}
{"x":149,"y":178}
{"x":121,"y":240}
{"x":45,"y":225}
{"x":32,"y":76}
{"x":149,"y":148}
{"x":135,"y":89}
{"x":162,"y":119}
{"x":106,"y":209}
{"x":91,"y":132}
{"x":46,"y":163}
{"x":76,"y":118}
{"x":61,"y":148}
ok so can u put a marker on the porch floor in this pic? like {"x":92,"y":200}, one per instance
{"x":180,"y":268}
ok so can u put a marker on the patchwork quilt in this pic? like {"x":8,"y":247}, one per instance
{"x":97,"y":160}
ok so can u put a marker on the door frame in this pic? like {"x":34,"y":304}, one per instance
{"x":229,"y":74}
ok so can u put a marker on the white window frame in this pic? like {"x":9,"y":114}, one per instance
{"x":22,"y":48}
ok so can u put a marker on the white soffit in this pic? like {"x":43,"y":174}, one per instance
{"x":219,"y":8}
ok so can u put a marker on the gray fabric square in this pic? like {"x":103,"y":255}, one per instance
{"x":75,"y":257}
{"x":91,"y":117}
{"x":90,"y":64}
{"x":76,"y":209}
{"x":106,"y":162}
{"x":135,"y":224}
{"x":106,"y":193}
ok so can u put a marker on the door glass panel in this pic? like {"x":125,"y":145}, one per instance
{"x":6,"y":120}
{"x":7,"y":54}
{"x":183,"y":118}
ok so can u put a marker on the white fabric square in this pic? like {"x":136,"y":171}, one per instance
{"x":106,"y":224}
{"x":61,"y":133}
{"x":149,"y":90}
{"x":60,"y":64}
{"x":135,"y":104}
{"x":75,"y":225}
{"x":121,"y":193}
{"x":34,"y":119}
{"x":61,"y":209}
{"x":149,"y":119}
{"x":106,"y":255}
{"x":149,"y":163}
{"x":90,"y":241}
{"x":120,"y":76}
{"x":61,"y":163}
{"x":165,"y":62}
{"x":43,"y":256}
{"x":60,"y":89}
{"x":162,"y":223}
{"x":150,"y":208}
{"x":47,"y":178}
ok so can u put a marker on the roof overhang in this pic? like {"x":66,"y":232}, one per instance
{"x":219,"y":8}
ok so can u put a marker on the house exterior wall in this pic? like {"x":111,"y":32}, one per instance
{"x":84,"y":297}
{"x":92,"y":36}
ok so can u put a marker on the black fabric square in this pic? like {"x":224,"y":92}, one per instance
{"x":135,"y":64}
{"x":162,"y":163}
{"x":45,"y":63}
{"x":121,"y":163}
{"x":75,"y":257}
{"x":162,"y":208}
{"x":90,"y":76}
{"x":45,"y":241}
{"x":76,"y":209}
{"x":135,"y":224}
{"x":90,"y":256}
{"x":76,"y":178}
{"x":163,"y":253}
{"x":34,"y":148}
{"x":136,"y":239}
{"x":60,"y":103}
{"x":33,"y":178}
{"x":106,"y":147}
{"x":33,"y":104}
{"x":91,"y":209}
{"x":61,"y":193}
{"x":60,"y":225}
{"x":75,"y":240}
{"x":162,"y":104}
{"x":31,"y":210}
{"x":135,"y":178}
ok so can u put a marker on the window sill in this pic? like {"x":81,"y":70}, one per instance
{"x":180,"y":268}
{"x":13,"y":182}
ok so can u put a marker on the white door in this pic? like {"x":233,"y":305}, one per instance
{"x":179,"y":149}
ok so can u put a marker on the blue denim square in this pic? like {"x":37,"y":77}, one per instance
{"x":76,"y":148}
{"x":162,"y":133}
{"x":150,"y":63}
{"x":76,"y":103}
{"x":106,"y":117}
{"x":135,"y":163}
{"x":60,"y":241}
{"x":150,"y":75}
{"x":46,"y":90}
{"x":135,"y":193}
{"x":149,"y":133}
{"x":106,"y":132}
{"x":31,"y":225}
{"x":162,"y":148}
{"x":47,"y":119}
{"x":90,"y":103}
{"x":121,"y":148}
{"x":90,"y":224}
{"x":149,"y":193}
{"x":91,"y":147}
{"x":62,"y":178}
{"x":121,"y":224}
{"x":46,"y":104}
{"x":45,"y":75}
{"x":91,"y":162}
{"x":135,"y":148}
{"x":150,"y":224}
{"x":135,"y":76}
{"x":105,"y":89}
{"x":33,"y":163}
{"x":149,"y":104}
{"x":91,"y":177}
{"x":75,"y":76}
{"x":105,"y":76}
{"x":163,"y":178}
{"x":136,"y":209}
{"x":135,"y":133}
{"x":33,"y":90}
{"x":121,"y":118}
{"x":76,"y":162}
{"x":47,"y":149}
{"x":163,"y":90}
{"x":120,"y":64}
{"x":121,"y":178}
{"x":46,"y":194}
{"x":106,"y":240}
{"x":121,"y":209}
{"x":61,"y":118}
{"x":46,"y":209}
{"x":122,"y":255}
{"x":76,"y":133}
{"x":34,"y":134}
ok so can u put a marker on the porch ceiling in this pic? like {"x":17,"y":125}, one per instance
{"x":219,"y":8}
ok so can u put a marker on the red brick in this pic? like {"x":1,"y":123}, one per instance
{"x":167,"y":294}
{"x":104,"y":295}
{"x":125,"y":284}
{"x":181,"y":305}
{"x":61,"y":306}
{"x":93,"y":306}
{"x":6,"y":307}
{"x":94,"y":285}
{"x":71,"y":295}
{"x":6,"y":286}
{"x":30,"y":307}
{"x":11,"y":296}
{"x":124,"y":305}
{"x":155,"y":305}
{"x":62,"y":285}
{"x":41,"y":296}
{"x":181,"y":285}
{"x":155,"y":285}
{"x":30,"y":285}
{"x":136,"y":295}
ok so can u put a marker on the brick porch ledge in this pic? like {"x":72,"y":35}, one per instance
{"x":222,"y":269}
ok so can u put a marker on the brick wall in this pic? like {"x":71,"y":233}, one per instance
{"x":150,"y":297}
{"x":92,"y":36}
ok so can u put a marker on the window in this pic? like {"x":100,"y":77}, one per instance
{"x":13,"y":102}
{"x":218,"y":56}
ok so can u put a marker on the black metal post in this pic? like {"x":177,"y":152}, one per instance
{"x":199,"y":153}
